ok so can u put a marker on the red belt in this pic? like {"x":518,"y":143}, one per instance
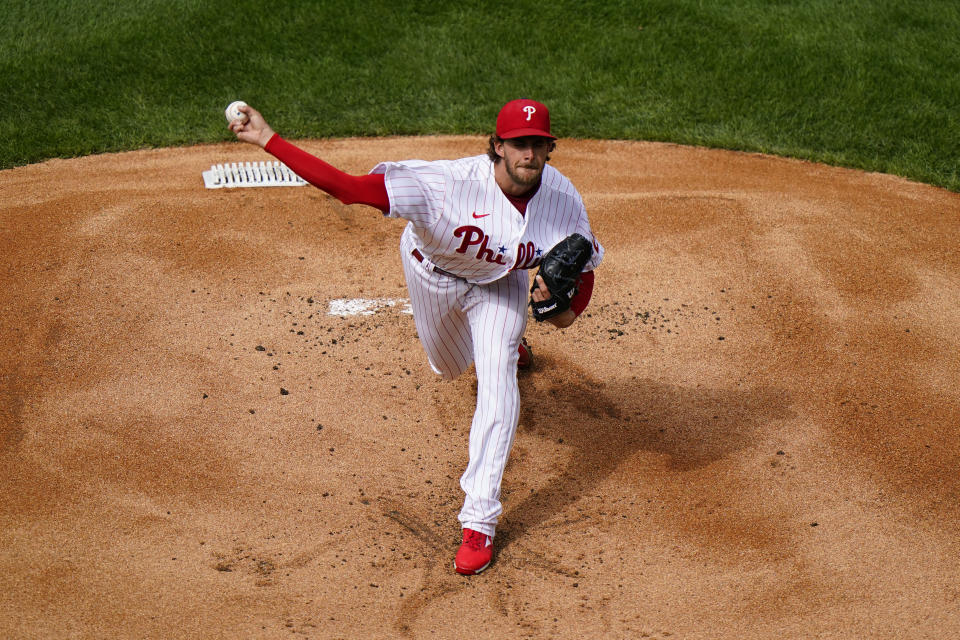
{"x":419,"y":256}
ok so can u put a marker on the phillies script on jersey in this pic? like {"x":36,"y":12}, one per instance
{"x":528,"y":255}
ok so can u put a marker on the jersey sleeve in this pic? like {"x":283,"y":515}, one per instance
{"x":568,"y":214}
{"x":415,"y":190}
{"x":583,"y":228}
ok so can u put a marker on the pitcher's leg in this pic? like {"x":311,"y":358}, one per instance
{"x":437,"y":304}
{"x":498,"y":316}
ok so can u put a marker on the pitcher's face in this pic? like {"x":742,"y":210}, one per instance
{"x":524,"y":159}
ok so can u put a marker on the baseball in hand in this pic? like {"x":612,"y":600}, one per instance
{"x":233,"y":111}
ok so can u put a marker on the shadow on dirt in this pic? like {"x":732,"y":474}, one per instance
{"x":607,"y":423}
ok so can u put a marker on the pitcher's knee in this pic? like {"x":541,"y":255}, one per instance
{"x":447,"y":372}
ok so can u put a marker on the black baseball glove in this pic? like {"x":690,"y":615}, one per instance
{"x":560,"y":270}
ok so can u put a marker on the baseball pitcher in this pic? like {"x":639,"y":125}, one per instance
{"x":475,"y":228}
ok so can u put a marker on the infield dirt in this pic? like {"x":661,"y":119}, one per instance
{"x":752,"y":432}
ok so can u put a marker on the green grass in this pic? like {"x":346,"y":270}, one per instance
{"x":871,"y":84}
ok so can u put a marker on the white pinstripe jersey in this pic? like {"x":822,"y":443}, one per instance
{"x":464,"y":223}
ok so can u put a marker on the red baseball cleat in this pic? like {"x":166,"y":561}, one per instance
{"x":475,"y":553}
{"x":526,"y":355}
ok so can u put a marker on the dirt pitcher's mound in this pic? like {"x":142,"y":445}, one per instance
{"x":216,"y":420}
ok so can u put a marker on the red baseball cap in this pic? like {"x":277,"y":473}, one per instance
{"x":524,"y":117}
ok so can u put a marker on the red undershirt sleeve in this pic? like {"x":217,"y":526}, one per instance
{"x":368,"y":189}
{"x":584,"y":291}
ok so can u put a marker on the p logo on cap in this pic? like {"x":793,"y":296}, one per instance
{"x":524,"y":117}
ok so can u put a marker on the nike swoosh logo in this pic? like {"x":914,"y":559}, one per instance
{"x":480,"y":215}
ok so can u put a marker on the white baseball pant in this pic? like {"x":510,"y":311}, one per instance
{"x":459,"y":323}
